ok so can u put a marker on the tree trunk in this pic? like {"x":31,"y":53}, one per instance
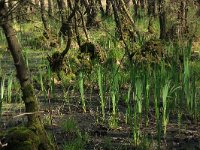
{"x":101,"y":7}
{"x":127,"y":2}
{"x":182,"y":17}
{"x":57,"y":59}
{"x":91,"y":10}
{"x":152,"y":8}
{"x":162,"y":19}
{"x":119,"y":26}
{"x":50,"y":8}
{"x":198,"y":5}
{"x":136,"y":8}
{"x":108,"y":8}
{"x":65,"y":26}
{"x":29,"y":99}
{"x":44,"y":19}
{"x":62,"y":8}
{"x":37,"y":2}
{"x":143,"y":4}
{"x":10,"y":7}
{"x":117,"y":20}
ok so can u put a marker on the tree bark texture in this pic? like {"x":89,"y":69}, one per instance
{"x":31,"y":104}
{"x":91,"y":10}
{"x":108,"y":8}
{"x":152,"y":8}
{"x":44,"y":18}
{"x":50,"y":8}
{"x":101,"y":7}
{"x":182,"y":16}
{"x":162,"y":19}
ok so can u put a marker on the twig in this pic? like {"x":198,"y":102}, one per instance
{"x":28,"y":113}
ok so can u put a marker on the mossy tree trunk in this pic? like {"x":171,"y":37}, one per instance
{"x":29,"y":99}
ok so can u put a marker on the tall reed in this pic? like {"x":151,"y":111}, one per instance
{"x":137,"y":110}
{"x":81,"y":88}
{"x":51,"y":82}
{"x":186,"y":74}
{"x":146,"y":91}
{"x":128,"y":106}
{"x":9,"y":89}
{"x":157,"y":82}
{"x":165,"y":91}
{"x":186,"y":85}
{"x":101,"y":91}
{"x":2,"y":93}
{"x":41,"y":82}
{"x":114,"y":92}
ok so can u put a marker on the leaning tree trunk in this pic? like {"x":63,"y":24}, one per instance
{"x":127,"y":2}
{"x":31,"y":105}
{"x":56,"y":60}
{"x":117,"y":20}
{"x":10,"y":7}
{"x":119,"y":26}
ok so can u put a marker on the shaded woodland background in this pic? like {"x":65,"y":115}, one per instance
{"x":99,"y":74}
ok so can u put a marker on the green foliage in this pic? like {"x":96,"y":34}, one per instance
{"x":77,"y":144}
{"x":77,"y":140}
{"x":101,"y":91}
{"x":9,"y":89}
{"x":69,"y":125}
{"x":81,"y":87}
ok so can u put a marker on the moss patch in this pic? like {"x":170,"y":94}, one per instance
{"x":95,"y":51}
{"x":22,"y":139}
{"x":151,"y":52}
{"x":154,"y":48}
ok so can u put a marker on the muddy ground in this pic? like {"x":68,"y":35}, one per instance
{"x":101,"y":135}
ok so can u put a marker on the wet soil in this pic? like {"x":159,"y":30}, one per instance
{"x":101,"y":135}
